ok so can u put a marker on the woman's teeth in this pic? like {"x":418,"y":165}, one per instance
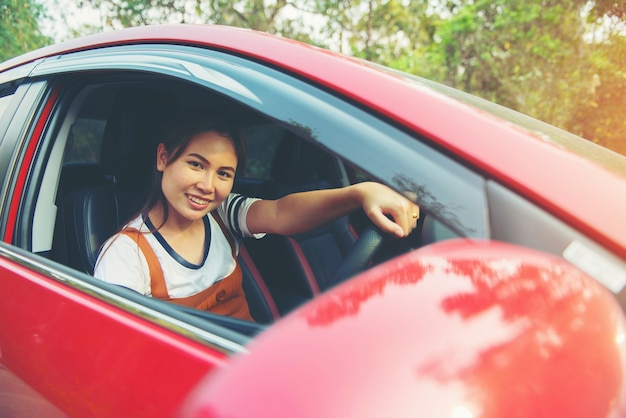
{"x":197,"y":200}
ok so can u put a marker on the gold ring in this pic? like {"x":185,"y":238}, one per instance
{"x":415,"y":215}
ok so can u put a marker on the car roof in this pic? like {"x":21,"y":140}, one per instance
{"x":575,"y":180}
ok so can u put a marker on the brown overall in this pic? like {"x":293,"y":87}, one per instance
{"x":225,"y":297}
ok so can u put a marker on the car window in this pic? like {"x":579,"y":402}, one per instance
{"x":7,"y":91}
{"x":268,"y":107}
{"x":4,"y":103}
{"x":261,"y":143}
{"x":297,"y":137}
{"x":86,"y":141}
{"x":6,"y":95}
{"x":453,"y":193}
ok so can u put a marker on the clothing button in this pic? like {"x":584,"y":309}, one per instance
{"x":221,"y":295}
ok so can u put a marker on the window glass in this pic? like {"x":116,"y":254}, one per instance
{"x":260,"y":143}
{"x":357,"y":175}
{"x":86,"y":137}
{"x":448,"y":189}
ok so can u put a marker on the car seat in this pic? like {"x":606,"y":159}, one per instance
{"x":303,"y":263}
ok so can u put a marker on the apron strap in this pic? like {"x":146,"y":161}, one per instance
{"x":157,"y":279}
{"x":227,"y":234}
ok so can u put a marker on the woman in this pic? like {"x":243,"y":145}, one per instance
{"x":182,"y":246}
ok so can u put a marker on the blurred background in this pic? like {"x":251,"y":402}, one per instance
{"x":561,"y":61}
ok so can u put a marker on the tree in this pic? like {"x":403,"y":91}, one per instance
{"x":557,"y":60}
{"x":537,"y":57}
{"x":253,"y":14}
{"x":519,"y":54}
{"x":19,"y":28}
{"x":601,"y":118}
{"x":377,"y":30}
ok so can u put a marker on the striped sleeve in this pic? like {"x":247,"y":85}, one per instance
{"x":234,"y":212}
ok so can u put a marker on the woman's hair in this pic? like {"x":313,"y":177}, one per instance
{"x":176,"y":138}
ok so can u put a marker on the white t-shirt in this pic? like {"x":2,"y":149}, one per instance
{"x":121,"y":261}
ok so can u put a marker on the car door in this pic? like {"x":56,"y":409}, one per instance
{"x":87,"y":348}
{"x":17,"y":398}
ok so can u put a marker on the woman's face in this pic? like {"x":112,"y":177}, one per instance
{"x":201,"y":178}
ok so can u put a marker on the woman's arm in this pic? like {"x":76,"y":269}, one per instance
{"x":300,"y":212}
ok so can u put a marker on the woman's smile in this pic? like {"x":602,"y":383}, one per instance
{"x":198,"y":200}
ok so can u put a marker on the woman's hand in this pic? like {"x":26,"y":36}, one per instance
{"x":387,"y":209}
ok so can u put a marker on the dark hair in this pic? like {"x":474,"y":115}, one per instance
{"x":176,"y":138}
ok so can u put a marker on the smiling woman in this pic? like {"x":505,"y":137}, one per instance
{"x":193,"y":176}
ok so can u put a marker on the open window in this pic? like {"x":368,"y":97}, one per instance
{"x":298,"y":137}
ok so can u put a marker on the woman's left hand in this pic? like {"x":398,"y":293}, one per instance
{"x":387,"y":209}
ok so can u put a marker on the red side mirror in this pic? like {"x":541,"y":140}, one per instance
{"x":458,"y":329}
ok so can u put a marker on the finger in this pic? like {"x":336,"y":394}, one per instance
{"x":404,"y":220}
{"x":415,"y":215}
{"x":402,"y":217}
{"x":408,"y":217}
{"x":386,"y":224}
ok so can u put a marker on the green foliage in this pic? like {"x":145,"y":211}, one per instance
{"x":19,"y":28}
{"x":558,"y":60}
{"x":254,"y":14}
{"x":534,"y":56}
{"x":530,"y":56}
{"x":600,"y":118}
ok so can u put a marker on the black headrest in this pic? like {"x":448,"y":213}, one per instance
{"x":133,"y":131}
{"x":298,"y":162}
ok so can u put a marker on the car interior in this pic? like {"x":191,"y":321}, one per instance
{"x":107,"y":142}
{"x":108,"y":158}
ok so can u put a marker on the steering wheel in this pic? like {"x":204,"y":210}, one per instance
{"x":360,"y":255}
{"x":369,"y":245}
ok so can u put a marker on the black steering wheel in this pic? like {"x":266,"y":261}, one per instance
{"x":360,"y":255}
{"x":369,"y":245}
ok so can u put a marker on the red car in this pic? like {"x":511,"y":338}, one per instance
{"x":507,"y":300}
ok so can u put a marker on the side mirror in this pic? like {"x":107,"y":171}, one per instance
{"x":456,"y":329}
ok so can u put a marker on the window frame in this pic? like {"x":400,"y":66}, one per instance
{"x":303,"y":108}
{"x":446,"y":189}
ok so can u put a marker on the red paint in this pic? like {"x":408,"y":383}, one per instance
{"x":25,"y":167}
{"x":457,"y":330}
{"x":89,"y":358}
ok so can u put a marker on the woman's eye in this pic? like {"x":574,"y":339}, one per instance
{"x":195,"y":164}
{"x":225,"y":174}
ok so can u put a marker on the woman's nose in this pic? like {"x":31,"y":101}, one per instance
{"x":207,"y":182}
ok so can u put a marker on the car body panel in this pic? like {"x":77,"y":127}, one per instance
{"x":24,"y":170}
{"x":97,"y":372}
{"x":18,"y":400}
{"x":460,"y":328}
{"x":14,"y":144}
